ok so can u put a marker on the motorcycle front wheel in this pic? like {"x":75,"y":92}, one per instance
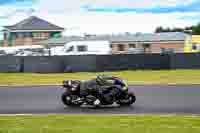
{"x":131,"y":98}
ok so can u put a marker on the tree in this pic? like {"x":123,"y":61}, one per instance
{"x":196,"y":29}
{"x":159,"y":29}
{"x":188,"y":28}
{"x":177,"y":30}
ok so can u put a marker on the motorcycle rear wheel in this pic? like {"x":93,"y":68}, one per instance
{"x":66,"y":99}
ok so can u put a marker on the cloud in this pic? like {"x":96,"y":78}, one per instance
{"x":190,"y":17}
{"x":137,"y":3}
{"x":104,"y":16}
{"x":192,"y":6}
{"x":77,"y":6}
{"x":17,"y":2}
{"x":10,"y":8}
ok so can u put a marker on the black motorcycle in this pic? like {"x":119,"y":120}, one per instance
{"x":106,"y":92}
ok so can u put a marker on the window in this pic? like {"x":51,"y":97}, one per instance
{"x":27,"y":34}
{"x":121,"y":47}
{"x":146,"y":45}
{"x":14,"y":35}
{"x":5,"y":36}
{"x":19,"y":35}
{"x":22,"y":34}
{"x":36,"y":35}
{"x":40,"y":35}
{"x":132,"y":45}
{"x":70,"y":49}
{"x":167,"y":50}
{"x":162,"y":50}
{"x":82,"y":48}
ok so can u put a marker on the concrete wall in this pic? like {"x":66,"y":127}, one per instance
{"x":79,"y":63}
{"x":10,"y":64}
{"x":185,"y":61}
{"x":43,"y":64}
{"x":94,"y":63}
{"x":131,"y":62}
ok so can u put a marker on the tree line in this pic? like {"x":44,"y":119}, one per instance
{"x":195,"y":29}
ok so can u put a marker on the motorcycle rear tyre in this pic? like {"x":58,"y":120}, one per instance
{"x":66,"y":99}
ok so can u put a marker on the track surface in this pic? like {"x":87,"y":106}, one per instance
{"x":150,"y":99}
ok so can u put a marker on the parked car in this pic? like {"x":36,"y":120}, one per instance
{"x":21,"y":50}
{"x":2,"y":52}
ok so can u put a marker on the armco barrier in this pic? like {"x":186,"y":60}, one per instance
{"x":10,"y":64}
{"x":94,"y":63}
{"x":131,"y":62}
{"x":185,"y":61}
{"x":79,"y":63}
{"x":42,"y":64}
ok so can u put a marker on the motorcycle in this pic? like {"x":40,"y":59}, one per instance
{"x":115,"y":90}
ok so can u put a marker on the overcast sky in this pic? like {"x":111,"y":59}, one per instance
{"x":104,"y":16}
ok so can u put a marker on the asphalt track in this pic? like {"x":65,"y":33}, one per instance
{"x":183,"y":99}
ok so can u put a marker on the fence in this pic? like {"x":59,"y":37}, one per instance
{"x":93,"y":63}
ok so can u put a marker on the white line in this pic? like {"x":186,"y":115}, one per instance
{"x":147,"y":114}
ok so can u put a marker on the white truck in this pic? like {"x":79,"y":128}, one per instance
{"x":85,"y":48}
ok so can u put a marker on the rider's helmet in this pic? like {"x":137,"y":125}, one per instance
{"x":100,"y":80}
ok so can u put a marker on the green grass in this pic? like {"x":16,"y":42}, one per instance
{"x":99,"y":124}
{"x":133,"y":77}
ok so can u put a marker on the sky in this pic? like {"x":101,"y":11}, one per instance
{"x":104,"y":16}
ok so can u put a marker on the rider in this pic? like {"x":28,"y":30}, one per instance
{"x":93,"y":85}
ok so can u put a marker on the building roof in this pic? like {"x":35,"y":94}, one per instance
{"x":67,"y":39}
{"x":34,"y":23}
{"x":157,"y":37}
{"x":168,"y":36}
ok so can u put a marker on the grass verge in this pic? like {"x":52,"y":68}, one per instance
{"x":99,"y":124}
{"x":133,"y":77}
